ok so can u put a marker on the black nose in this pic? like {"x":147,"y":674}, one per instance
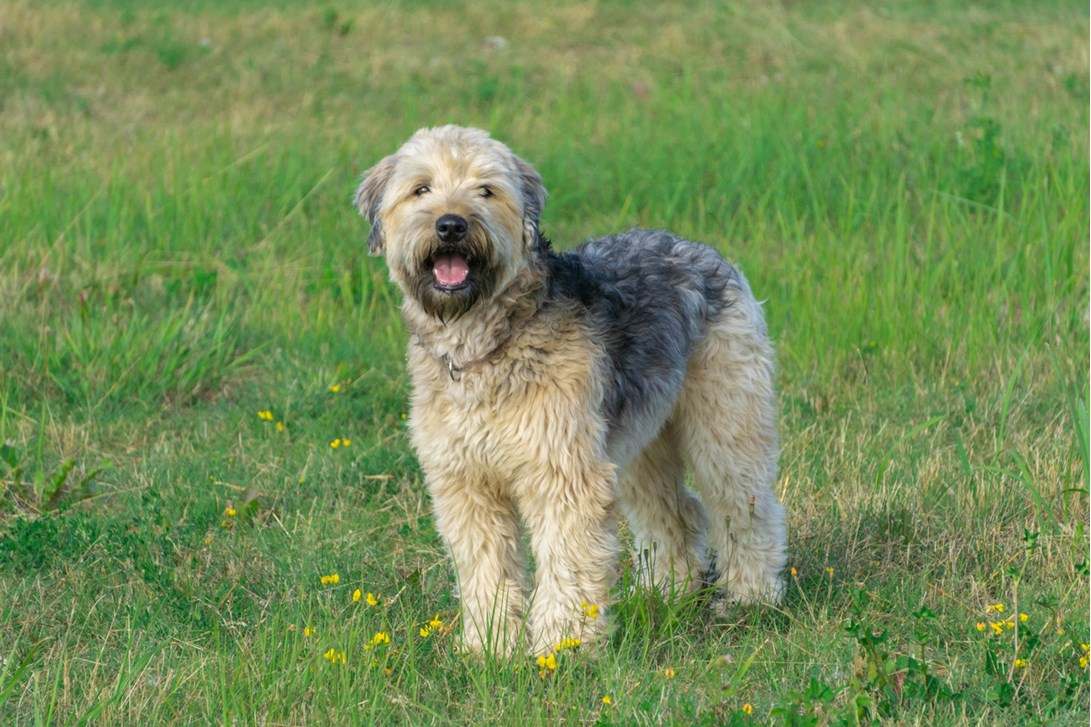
{"x":451,"y":228}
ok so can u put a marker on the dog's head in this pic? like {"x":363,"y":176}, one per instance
{"x":455,"y":212}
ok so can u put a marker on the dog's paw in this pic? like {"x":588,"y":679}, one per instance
{"x":761,"y":590}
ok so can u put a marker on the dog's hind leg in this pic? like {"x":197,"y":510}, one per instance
{"x":726,"y":425}
{"x":667,"y":520}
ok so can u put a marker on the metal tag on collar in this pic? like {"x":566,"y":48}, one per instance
{"x":454,"y":371}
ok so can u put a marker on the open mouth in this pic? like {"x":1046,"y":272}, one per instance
{"x":450,"y":271}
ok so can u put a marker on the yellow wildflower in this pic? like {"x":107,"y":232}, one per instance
{"x":380,"y":637}
{"x":431,"y":626}
{"x":997,"y":627}
{"x":265,"y":415}
{"x":335,"y":444}
{"x":345,"y":441}
{"x":668,"y":673}
{"x":747,"y":709}
{"x":356,"y":595}
{"x":607,"y":700}
{"x":331,"y":579}
{"x":998,"y":607}
{"x":1084,"y":648}
{"x":1023,"y":618}
{"x":309,"y":631}
{"x":980,"y":625}
{"x":1009,"y":624}
{"x":590,"y":610}
{"x":280,"y":426}
{"x":567,"y":644}
{"x":1020,"y":663}
{"x":1083,"y":662}
{"x":829,"y":571}
{"x":794,"y":572}
{"x":334,"y":656}
{"x":546,"y":665}
{"x":372,"y":599}
{"x":230,"y":511}
{"x":335,"y":388}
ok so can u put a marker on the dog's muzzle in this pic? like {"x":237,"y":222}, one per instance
{"x":450,"y":268}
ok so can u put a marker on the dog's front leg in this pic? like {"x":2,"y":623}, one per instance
{"x":481,"y":530}
{"x":573,"y":526}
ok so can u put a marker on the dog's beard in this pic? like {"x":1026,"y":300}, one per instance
{"x":451,"y":277}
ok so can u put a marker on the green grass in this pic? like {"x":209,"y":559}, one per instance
{"x":906,"y":185}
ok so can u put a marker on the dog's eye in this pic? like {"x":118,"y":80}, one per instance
{"x":421,"y":190}
{"x":486,"y":192}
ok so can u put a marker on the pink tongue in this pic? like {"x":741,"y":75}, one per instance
{"x":450,"y":269}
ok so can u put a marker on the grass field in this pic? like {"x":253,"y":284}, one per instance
{"x":905,"y":184}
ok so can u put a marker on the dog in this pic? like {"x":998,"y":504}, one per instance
{"x":548,"y":389}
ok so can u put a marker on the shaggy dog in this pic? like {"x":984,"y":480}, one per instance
{"x":548,"y":388}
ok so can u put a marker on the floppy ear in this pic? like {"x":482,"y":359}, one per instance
{"x":368,"y":196}
{"x":534,"y":198}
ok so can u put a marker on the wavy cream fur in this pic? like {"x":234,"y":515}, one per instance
{"x":552,"y":389}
